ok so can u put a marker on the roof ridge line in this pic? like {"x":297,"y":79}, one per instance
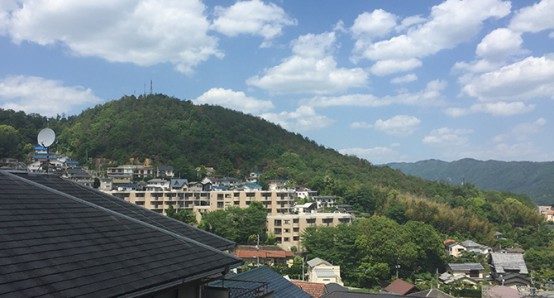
{"x":145,"y":209}
{"x":112,"y":212}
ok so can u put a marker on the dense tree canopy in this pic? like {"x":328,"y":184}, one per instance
{"x":237,"y":224}
{"x":370,"y":250}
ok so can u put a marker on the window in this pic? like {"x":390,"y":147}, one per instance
{"x":295,"y":229}
{"x":277,"y":231}
{"x":277,"y":222}
{"x":287,"y":221}
{"x":295,"y":220}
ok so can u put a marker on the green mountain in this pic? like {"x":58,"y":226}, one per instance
{"x":170,"y":131}
{"x":533,"y":179}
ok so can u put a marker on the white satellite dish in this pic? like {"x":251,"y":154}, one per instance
{"x":46,"y":137}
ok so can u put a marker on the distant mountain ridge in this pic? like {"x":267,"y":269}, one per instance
{"x":534,"y":179}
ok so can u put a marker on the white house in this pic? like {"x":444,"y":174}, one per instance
{"x":321,"y":271}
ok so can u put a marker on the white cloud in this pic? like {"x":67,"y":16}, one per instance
{"x":302,"y":119}
{"x":430,"y":96}
{"x":252,"y":17}
{"x":534,"y":18}
{"x":42,"y":96}
{"x":494,"y":108}
{"x":311,"y":69}
{"x":399,"y":125}
{"x":387,"y":67}
{"x":450,"y":23}
{"x":500,"y":44}
{"x":519,"y":142}
{"x":525,"y":79}
{"x":447,"y":136}
{"x":375,"y":24}
{"x":234,"y":100}
{"x":404,"y":79}
{"x":502,"y":108}
{"x":360,"y":125}
{"x":144,"y":32}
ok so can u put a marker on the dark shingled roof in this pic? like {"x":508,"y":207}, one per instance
{"x":57,"y":239}
{"x":137,"y":212}
{"x":277,"y":284}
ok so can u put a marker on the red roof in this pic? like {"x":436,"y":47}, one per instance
{"x":264,"y":254}
{"x":400,"y":287}
{"x":313,"y":288}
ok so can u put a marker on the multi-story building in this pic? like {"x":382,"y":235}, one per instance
{"x":288,"y":227}
{"x":275,"y":202}
{"x":130,"y":171}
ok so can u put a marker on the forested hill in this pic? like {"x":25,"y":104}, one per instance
{"x":533,"y":179}
{"x":176,"y":132}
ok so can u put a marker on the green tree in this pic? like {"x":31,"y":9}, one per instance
{"x":10,"y":142}
{"x":237,"y":224}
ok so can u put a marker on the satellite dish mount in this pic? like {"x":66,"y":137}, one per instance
{"x":46,"y":138}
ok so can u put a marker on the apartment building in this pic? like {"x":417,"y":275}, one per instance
{"x":203,"y":201}
{"x":288,"y":227}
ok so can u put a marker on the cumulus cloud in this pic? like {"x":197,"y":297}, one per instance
{"x":43,"y":96}
{"x":447,"y":136}
{"x":375,"y":24}
{"x":386,"y":67}
{"x":399,"y":125}
{"x":431,"y":95}
{"x":494,"y":108}
{"x":143,"y":32}
{"x":449,"y":24}
{"x":518,"y":141}
{"x":302,"y":119}
{"x":535,"y":18}
{"x":235,"y":100}
{"x":500,"y":44}
{"x":404,"y":79}
{"x":360,"y":125}
{"x":311,"y":69}
{"x":529,"y":78}
{"x":252,"y":17}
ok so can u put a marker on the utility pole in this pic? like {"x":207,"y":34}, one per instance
{"x":258,"y":252}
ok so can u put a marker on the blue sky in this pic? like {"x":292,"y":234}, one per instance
{"x":386,"y":80}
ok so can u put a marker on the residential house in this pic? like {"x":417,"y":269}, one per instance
{"x":322,"y":271}
{"x":310,"y":207}
{"x":509,"y":269}
{"x":61,"y":239}
{"x":258,"y":282}
{"x":471,"y":273}
{"x":304,"y":193}
{"x":500,"y":292}
{"x":547,"y":212}
{"x":179,"y":184}
{"x":253,"y":177}
{"x":325,"y":201}
{"x":455,"y":249}
{"x":165,"y":172}
{"x":400,"y":287}
{"x":157,"y":185}
{"x":317,"y":289}
{"x":268,"y":255}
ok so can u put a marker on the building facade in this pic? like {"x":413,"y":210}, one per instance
{"x":287,"y":228}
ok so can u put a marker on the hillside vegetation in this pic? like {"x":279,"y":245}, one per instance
{"x":174,"y":132}
{"x":533,"y":179}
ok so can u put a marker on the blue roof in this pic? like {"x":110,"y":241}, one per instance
{"x":280,"y":286}
{"x":178,"y":183}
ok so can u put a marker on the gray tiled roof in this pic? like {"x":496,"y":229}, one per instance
{"x":137,"y":212}
{"x":55,"y":243}
{"x":506,"y":262}
{"x":466,"y":266}
{"x":280,"y":286}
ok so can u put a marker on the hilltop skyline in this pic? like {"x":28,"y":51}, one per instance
{"x":388,"y":81}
